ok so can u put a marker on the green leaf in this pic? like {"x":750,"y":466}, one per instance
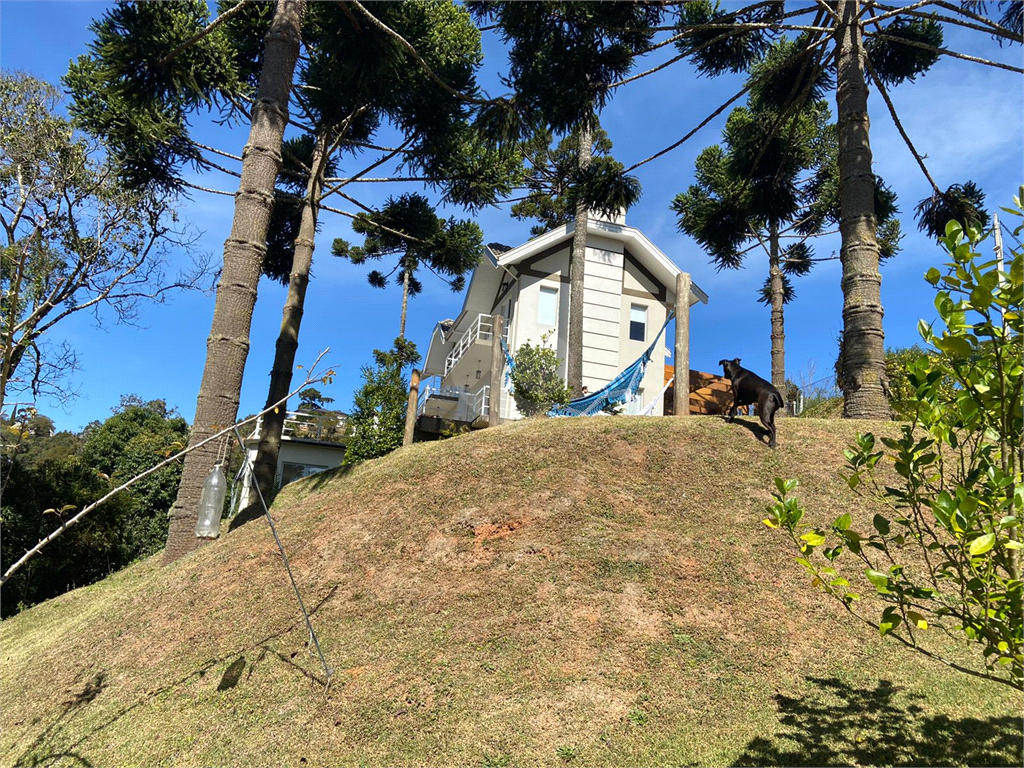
{"x":890,"y":620}
{"x":983,"y":544}
{"x":954,"y":346}
{"x":878,"y":579}
{"x":785,"y":486}
{"x":881,"y":525}
{"x":932,"y":276}
{"x":918,"y":619}
{"x":813,"y":538}
{"x":842,"y":523}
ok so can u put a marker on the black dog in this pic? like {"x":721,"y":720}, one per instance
{"x":747,"y":388}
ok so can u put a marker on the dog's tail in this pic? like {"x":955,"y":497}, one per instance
{"x":779,"y":399}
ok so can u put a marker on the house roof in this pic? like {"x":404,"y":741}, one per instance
{"x":485,"y":283}
{"x":660,"y":265}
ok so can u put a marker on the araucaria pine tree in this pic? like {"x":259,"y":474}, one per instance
{"x":775,"y":177}
{"x":377,"y":422}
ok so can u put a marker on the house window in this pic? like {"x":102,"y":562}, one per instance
{"x":547,"y":306}
{"x":637,"y":322}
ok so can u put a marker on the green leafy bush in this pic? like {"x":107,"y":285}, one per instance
{"x":377,"y":423}
{"x":949,"y":555}
{"x":537,"y":386}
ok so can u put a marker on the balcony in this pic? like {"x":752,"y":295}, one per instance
{"x":480,"y":332}
{"x":453,"y":404}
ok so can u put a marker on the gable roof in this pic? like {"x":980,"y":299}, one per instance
{"x":649,"y":255}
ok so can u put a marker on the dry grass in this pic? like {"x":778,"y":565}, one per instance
{"x":571,"y":591}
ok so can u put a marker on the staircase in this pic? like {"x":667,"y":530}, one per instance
{"x":709,"y":394}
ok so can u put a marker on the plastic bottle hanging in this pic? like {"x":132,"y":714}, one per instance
{"x":211,"y":503}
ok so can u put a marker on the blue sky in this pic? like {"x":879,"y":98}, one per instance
{"x":965,"y":118}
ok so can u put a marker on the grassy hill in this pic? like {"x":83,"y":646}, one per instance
{"x":561,"y":592}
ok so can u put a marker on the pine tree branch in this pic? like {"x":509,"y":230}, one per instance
{"x":216,"y":151}
{"x":896,"y":11}
{"x":190,"y":185}
{"x":380,"y":25}
{"x":370,"y":222}
{"x":366,"y":170}
{"x":896,"y":121}
{"x":689,"y":135}
{"x":992,"y":29}
{"x":750,"y":84}
{"x":651,"y":71}
{"x":201,"y":34}
{"x":733,"y":30}
{"x":824,"y":7}
{"x":944,"y":51}
{"x":378,"y":179}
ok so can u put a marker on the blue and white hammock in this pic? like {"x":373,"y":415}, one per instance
{"x":619,"y":390}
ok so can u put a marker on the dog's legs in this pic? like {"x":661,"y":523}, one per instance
{"x":767,"y":414}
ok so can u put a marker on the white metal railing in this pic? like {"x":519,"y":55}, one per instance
{"x":431,"y":387}
{"x":482,"y":329}
{"x":469,"y":405}
{"x":482,"y":402}
{"x":311,"y":425}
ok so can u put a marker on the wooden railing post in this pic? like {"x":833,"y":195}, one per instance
{"x":497,"y":370}
{"x":681,"y":360}
{"x":410,"y":412}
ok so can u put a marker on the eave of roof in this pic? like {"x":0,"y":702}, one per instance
{"x":660,"y":265}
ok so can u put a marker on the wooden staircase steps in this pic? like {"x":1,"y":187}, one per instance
{"x":709,"y":394}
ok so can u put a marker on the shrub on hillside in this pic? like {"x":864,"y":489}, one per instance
{"x":49,"y":477}
{"x":537,"y":386}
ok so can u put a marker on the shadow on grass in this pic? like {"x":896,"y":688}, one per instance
{"x":838,"y":724}
{"x":50,"y":746}
{"x":754,"y":425}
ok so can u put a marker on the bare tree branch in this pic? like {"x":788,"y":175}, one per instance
{"x":944,"y":51}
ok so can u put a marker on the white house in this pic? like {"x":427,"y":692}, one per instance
{"x":310,"y":443}
{"x":629,"y":289}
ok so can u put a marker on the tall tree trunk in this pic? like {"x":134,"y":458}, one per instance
{"x":577,"y":269}
{"x":863,"y":353}
{"x":228,"y":344}
{"x":265,"y":467}
{"x":405,"y":300}
{"x":778,"y":326}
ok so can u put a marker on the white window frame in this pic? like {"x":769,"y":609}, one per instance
{"x":637,"y":308}
{"x":547,"y":308}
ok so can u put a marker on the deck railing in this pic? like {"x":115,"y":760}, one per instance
{"x":432,"y":387}
{"x":482,"y":329}
{"x":469,"y":405}
{"x":325,"y":426}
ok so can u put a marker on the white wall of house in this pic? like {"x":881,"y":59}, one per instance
{"x":611,"y":286}
{"x":528,"y":324}
{"x":296,"y":460}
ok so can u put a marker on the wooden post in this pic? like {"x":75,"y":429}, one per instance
{"x":682,"y":350}
{"x":410,"y":412}
{"x":497,"y":370}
